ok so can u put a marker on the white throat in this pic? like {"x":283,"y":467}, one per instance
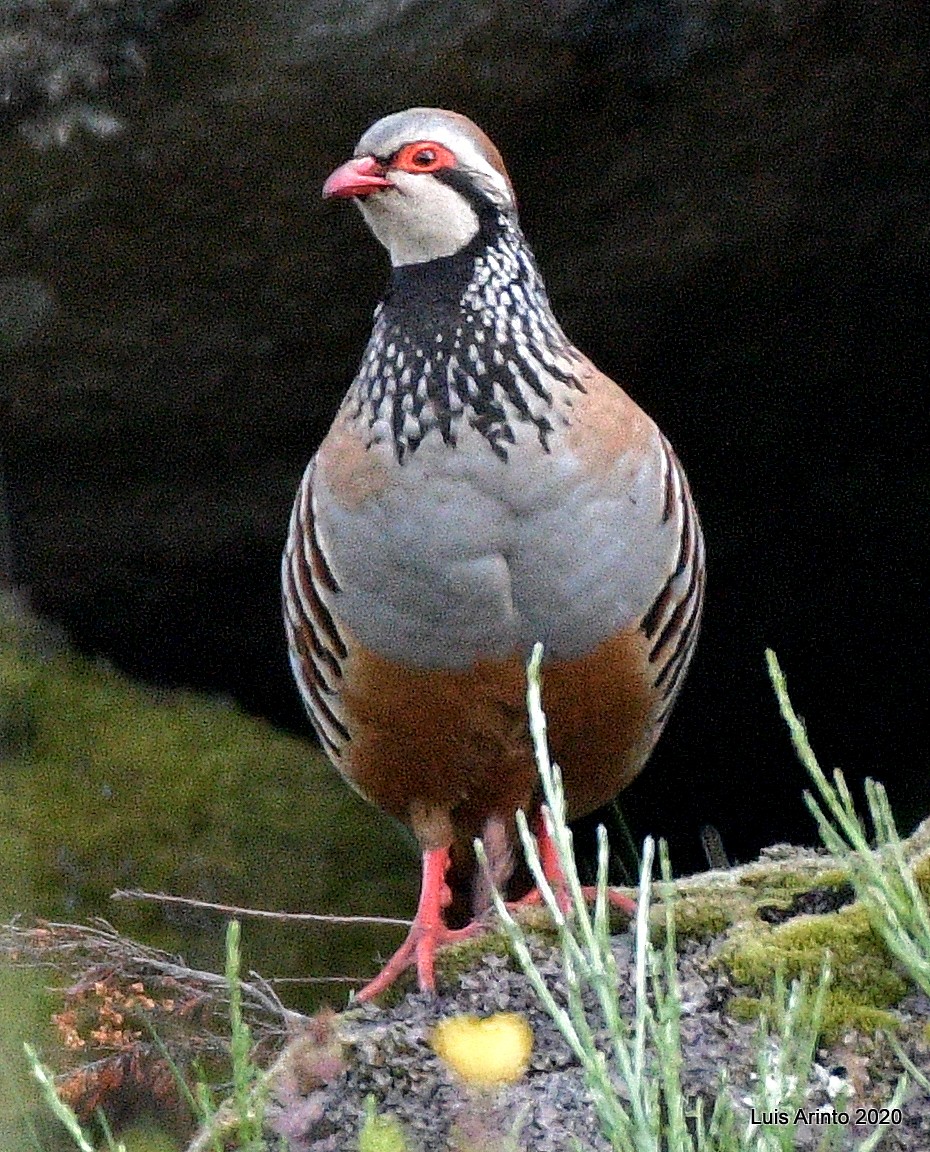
{"x":420,"y":219}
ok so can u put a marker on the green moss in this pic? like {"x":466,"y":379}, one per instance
{"x":745,"y":1008}
{"x":452,"y":961}
{"x":108,"y":784}
{"x":467,"y":956}
{"x":26,"y":1004}
{"x":774,"y":884}
{"x":380,"y":1133}
{"x":147,"y":1138}
{"x":840,"y":1015}
{"x":864,"y":982}
{"x":696,"y":918}
{"x":843,"y":1014}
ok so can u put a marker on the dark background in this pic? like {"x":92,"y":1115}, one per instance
{"x":729,"y":201}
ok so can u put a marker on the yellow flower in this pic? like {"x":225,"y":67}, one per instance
{"x":495,"y":1050}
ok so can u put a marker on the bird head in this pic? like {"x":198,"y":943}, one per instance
{"x":426,"y":181}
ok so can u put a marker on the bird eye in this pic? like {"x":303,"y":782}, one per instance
{"x":423,"y":156}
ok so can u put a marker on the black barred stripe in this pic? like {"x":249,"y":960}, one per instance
{"x":657,"y":611}
{"x":672,"y":629}
{"x":323,"y":710}
{"x":670,"y":460}
{"x":674,"y":621}
{"x":319,"y":566}
{"x":319,"y":620}
{"x":673,"y":672}
{"x":674,"y":683}
{"x":686,"y":637}
{"x":320,"y":660}
{"x":322,"y":617}
{"x":671,"y":690}
{"x":333,"y":750}
{"x":675,"y":614}
{"x":316,"y":644}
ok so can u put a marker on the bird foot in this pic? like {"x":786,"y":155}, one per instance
{"x":419,"y":951}
{"x":552,"y":870}
{"x":427,"y":933}
{"x":617,"y":899}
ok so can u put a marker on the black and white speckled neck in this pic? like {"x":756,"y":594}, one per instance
{"x":468,"y":338}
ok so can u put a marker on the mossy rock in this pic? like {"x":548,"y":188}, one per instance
{"x":864,"y":982}
{"x":754,"y":918}
{"x":107,"y":784}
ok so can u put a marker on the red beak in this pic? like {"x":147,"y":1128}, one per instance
{"x":357,"y":177}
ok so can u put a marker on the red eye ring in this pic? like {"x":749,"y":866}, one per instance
{"x":423,"y":156}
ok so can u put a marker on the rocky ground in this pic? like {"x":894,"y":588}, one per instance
{"x":737,"y":929}
{"x":389,"y":1056}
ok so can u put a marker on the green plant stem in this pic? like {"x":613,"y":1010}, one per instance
{"x":883,"y":879}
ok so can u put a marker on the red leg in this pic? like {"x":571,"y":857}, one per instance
{"x":552,"y":870}
{"x":427,"y":932}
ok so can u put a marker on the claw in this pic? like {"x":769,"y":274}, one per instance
{"x":427,"y":933}
{"x":552,"y":870}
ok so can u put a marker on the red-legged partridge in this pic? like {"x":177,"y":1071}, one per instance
{"x":483,"y":487}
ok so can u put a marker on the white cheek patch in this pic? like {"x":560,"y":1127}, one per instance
{"x":421,"y":219}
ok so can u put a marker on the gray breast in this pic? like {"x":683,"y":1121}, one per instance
{"x":467,"y":556}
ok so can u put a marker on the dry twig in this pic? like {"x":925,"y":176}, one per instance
{"x":263,"y":913}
